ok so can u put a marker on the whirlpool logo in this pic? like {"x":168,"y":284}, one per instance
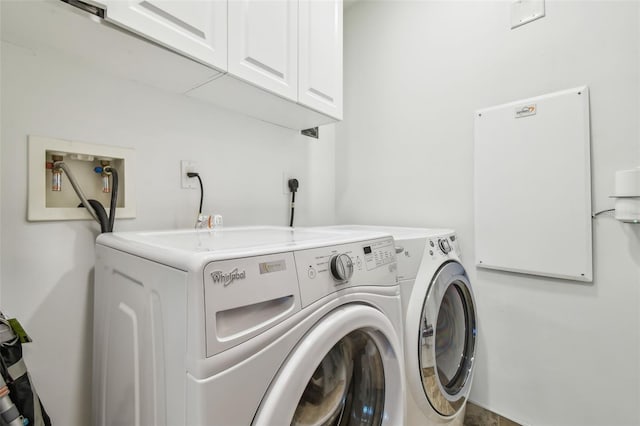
{"x":219,"y":277}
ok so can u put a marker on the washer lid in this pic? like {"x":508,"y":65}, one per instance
{"x":440,"y":340}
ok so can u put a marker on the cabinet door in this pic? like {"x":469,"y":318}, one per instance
{"x":320,"y":63}
{"x":195,"y":28}
{"x":263,"y":44}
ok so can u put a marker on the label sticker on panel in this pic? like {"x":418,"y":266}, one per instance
{"x":379,"y":254}
{"x":275,"y":266}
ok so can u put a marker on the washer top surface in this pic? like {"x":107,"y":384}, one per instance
{"x":181,"y":248}
{"x":399,"y":233}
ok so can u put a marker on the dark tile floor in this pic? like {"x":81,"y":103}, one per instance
{"x":478,"y":416}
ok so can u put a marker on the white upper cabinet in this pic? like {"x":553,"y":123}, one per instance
{"x":276,"y":60}
{"x":320,"y":56}
{"x":195,"y":28}
{"x":263,"y":44}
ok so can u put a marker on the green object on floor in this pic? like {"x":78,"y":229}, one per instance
{"x":19,"y":330}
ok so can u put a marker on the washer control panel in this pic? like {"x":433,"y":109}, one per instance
{"x":322,"y":271}
{"x":341,"y":267}
{"x":378,"y":254}
{"x":443,"y":246}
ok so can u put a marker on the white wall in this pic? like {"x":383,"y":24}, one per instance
{"x":47,"y":267}
{"x":0,"y":170}
{"x":551,"y":352}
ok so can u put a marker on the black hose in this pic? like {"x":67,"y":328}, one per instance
{"x":114,"y":197}
{"x":201,"y":194}
{"x":293,"y":203}
{"x":102,"y":214}
{"x":602,"y":211}
{"x":192,"y":175}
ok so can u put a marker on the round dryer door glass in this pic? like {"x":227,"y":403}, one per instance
{"x":447,"y":340}
{"x":347,"y":388}
{"x":451,"y":337}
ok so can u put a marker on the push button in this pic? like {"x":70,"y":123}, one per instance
{"x":312,"y":272}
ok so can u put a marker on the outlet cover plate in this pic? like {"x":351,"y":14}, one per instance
{"x":188,"y":166}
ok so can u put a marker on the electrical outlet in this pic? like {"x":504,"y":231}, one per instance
{"x":285,"y":182}
{"x":188,"y":166}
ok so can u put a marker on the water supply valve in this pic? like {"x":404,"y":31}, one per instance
{"x":105,"y":163}
{"x":56,"y":172}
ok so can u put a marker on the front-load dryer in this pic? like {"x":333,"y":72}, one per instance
{"x":440,"y":323}
{"x":247,"y":326}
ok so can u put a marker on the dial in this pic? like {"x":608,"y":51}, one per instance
{"x":341,"y":267}
{"x":444,"y":246}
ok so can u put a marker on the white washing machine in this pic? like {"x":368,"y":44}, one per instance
{"x":247,"y":326}
{"x":440,"y":323}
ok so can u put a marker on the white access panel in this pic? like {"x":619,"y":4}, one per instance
{"x":533,"y":186}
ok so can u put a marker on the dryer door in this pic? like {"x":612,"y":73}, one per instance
{"x":346,"y":371}
{"x":441,"y":341}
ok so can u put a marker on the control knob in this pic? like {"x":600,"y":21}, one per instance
{"x":444,"y":246}
{"x":341,"y":267}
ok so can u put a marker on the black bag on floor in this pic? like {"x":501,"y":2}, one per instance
{"x":21,"y":406}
